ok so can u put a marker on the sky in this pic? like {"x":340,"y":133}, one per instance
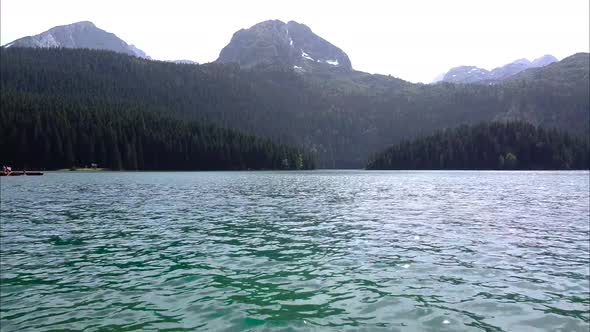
{"x":414,"y":40}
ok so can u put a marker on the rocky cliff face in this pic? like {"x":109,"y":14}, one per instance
{"x":289,"y":44}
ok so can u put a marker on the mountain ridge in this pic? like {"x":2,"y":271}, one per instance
{"x":339,"y":113}
{"x":83,"y":34}
{"x":474,"y":74}
{"x":271,"y":42}
{"x":341,"y":118}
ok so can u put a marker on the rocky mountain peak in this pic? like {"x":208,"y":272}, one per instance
{"x":82,"y":34}
{"x":291,"y":44}
{"x":544,"y":60}
{"x":522,"y":61}
{"x":83,"y":24}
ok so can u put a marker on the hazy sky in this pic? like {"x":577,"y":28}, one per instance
{"x":414,"y":40}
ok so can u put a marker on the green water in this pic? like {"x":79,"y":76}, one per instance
{"x":290,"y":251}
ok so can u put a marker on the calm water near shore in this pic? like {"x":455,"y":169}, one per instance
{"x":318,"y":250}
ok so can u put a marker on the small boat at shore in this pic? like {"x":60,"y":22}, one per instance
{"x":21,"y":173}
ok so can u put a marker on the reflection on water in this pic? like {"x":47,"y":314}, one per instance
{"x":456,"y":251}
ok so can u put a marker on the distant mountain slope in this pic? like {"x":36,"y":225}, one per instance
{"x":289,"y":44}
{"x":78,"y":35}
{"x":472,"y":74}
{"x":543,"y":61}
{"x":465,"y":74}
{"x":343,"y":117}
{"x":574,"y":69}
{"x":515,"y":67}
{"x":560,"y":92}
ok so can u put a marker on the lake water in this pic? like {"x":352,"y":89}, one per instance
{"x":319,"y":250}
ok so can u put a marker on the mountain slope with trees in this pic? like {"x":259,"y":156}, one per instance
{"x":342,"y":117}
{"x":514,"y":145}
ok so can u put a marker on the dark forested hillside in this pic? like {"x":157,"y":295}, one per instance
{"x":56,"y":132}
{"x":341,"y":117}
{"x":488,"y":146}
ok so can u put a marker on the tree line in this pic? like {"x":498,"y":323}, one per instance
{"x":342,"y":118}
{"x":496,"y":146}
{"x":41,"y":132}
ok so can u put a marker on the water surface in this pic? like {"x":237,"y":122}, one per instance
{"x":320,"y":250}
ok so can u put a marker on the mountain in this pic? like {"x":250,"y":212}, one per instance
{"x":471,"y":74}
{"x":515,"y":67}
{"x":465,"y":74}
{"x":339,"y":114}
{"x":571,"y":75}
{"x":78,"y":35}
{"x":289,"y":44}
{"x":342,"y":119}
{"x":186,"y":62}
{"x":543,"y":61}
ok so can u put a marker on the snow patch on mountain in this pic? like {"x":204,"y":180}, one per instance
{"x":306,"y":56}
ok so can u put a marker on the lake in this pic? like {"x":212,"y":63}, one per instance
{"x":291,"y":251}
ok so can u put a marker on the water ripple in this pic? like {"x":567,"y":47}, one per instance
{"x":324,"y":250}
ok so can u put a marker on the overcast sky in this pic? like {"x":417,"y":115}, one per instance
{"x":413,"y":40}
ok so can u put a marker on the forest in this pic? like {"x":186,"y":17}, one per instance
{"x":341,"y":118}
{"x":488,"y":146}
{"x":45,"y":132}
